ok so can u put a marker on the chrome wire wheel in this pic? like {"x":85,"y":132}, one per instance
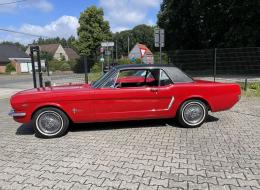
{"x":49,"y":123}
{"x":193,"y":113}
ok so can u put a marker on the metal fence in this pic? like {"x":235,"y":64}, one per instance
{"x":234,"y":64}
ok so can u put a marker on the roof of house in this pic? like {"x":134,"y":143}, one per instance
{"x":142,"y":46}
{"x":71,"y":53}
{"x":50,"y":48}
{"x":10,"y":51}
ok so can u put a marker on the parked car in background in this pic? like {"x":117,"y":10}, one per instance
{"x":128,"y":92}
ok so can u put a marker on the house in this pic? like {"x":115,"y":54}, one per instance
{"x":141,"y":51}
{"x":12,"y":54}
{"x":57,"y":51}
{"x":71,"y":54}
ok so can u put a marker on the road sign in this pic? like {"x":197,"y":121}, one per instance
{"x":159,"y":37}
{"x":107,"y":44}
{"x":143,"y":51}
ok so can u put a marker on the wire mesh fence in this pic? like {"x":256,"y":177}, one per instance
{"x":229,"y":64}
{"x":224,"y":65}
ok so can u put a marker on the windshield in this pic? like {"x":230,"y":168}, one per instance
{"x":103,"y":78}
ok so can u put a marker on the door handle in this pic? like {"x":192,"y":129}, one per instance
{"x":154,"y":90}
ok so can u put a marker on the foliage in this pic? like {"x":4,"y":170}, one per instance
{"x":17,"y":44}
{"x":203,"y":24}
{"x":54,"y":65}
{"x":46,"y":56}
{"x":64,"y":42}
{"x":124,"y":61}
{"x":10,"y":68}
{"x":65,"y":67}
{"x":253,"y":89}
{"x":138,"y":61}
{"x":97,"y":67}
{"x":139,"y":34}
{"x":92,"y":31}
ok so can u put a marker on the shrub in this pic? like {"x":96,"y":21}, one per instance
{"x":96,"y":68}
{"x":138,"y":61}
{"x":124,"y":61}
{"x":65,"y":67}
{"x":10,"y":68}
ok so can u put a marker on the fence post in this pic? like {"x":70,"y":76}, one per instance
{"x":86,"y":69}
{"x":215,"y":64}
{"x":39,"y":66}
{"x":245,"y":84}
{"x":33,"y":67}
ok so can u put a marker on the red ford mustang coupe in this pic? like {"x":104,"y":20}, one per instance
{"x":129,"y":92}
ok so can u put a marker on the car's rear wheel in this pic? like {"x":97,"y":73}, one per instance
{"x":192,"y":113}
{"x":50,"y":122}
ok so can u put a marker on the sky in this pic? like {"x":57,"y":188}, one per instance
{"x":52,"y":18}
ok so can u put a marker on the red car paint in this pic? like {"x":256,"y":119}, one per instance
{"x":82,"y":103}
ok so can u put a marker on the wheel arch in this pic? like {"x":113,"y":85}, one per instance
{"x":196,"y":98}
{"x":52,"y":106}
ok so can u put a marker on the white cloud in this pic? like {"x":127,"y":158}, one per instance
{"x":63,"y":27}
{"x":42,"y":5}
{"x":125,"y":14}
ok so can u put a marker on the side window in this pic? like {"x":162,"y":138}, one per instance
{"x":131,"y":78}
{"x":164,"y":79}
{"x":152,"y":77}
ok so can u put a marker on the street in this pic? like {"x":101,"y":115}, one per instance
{"x":224,"y":153}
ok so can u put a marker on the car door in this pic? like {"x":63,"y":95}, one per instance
{"x":134,"y":97}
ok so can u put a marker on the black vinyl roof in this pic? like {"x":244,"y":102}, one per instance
{"x":10,"y":51}
{"x":131,"y":66}
{"x":172,"y":71}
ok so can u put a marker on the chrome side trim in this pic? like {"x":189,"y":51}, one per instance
{"x":12,"y":113}
{"x":170,"y":104}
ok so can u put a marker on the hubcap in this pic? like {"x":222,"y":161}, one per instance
{"x":193,"y":113}
{"x":49,"y":123}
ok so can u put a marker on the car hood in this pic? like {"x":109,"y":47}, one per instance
{"x":55,"y":89}
{"x":56,"y":93}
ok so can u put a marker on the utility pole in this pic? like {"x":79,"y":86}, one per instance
{"x":159,"y":40}
{"x":116,"y":52}
{"x":128,"y":41}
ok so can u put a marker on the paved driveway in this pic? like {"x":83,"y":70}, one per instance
{"x":222,"y":154}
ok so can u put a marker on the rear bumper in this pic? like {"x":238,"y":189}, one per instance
{"x":13,"y":113}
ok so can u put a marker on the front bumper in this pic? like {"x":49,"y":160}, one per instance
{"x":13,"y":113}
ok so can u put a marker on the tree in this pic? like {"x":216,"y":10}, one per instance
{"x":17,"y":44}
{"x":139,"y":34}
{"x":92,"y":31}
{"x":144,"y":34}
{"x":199,"y":24}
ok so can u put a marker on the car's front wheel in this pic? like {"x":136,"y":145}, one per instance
{"x":50,"y":122}
{"x":192,"y":113}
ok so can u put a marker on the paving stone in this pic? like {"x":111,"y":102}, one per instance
{"x":160,"y":182}
{"x":222,"y":154}
{"x":79,"y":186}
{"x":195,"y":186}
{"x":252,"y":183}
{"x":63,"y":185}
{"x":129,"y":186}
{"x":112,"y":183}
{"x":178,"y":184}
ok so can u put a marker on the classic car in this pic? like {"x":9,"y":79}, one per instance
{"x":128,"y":92}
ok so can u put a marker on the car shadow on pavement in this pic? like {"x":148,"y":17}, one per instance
{"x":25,"y":129}
{"x":130,"y":124}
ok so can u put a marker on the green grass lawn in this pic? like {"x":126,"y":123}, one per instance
{"x":253,"y":89}
{"x":94,"y":76}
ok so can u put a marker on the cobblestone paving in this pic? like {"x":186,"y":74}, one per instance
{"x":222,"y":154}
